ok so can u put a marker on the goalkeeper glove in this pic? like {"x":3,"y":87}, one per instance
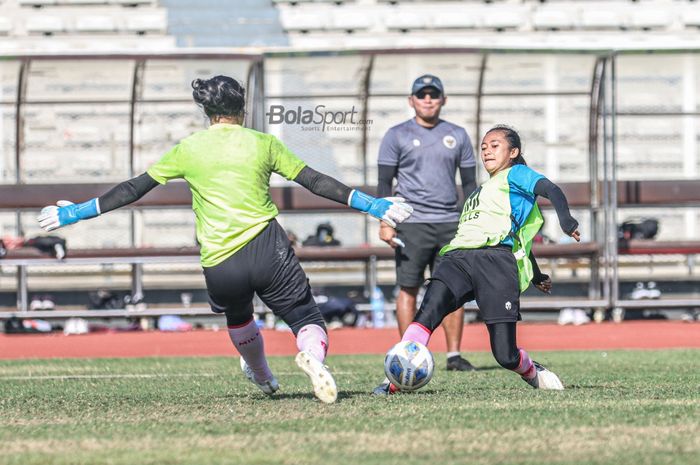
{"x":391,"y":210}
{"x":65,"y":213}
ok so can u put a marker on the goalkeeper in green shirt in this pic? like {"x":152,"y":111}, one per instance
{"x":243,"y":248}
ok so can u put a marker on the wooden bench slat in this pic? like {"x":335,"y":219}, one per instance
{"x":304,"y":253}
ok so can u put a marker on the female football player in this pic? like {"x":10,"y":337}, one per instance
{"x":489,"y":258}
{"x":243,"y":248}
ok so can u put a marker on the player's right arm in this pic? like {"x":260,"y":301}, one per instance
{"x":66,"y":212}
{"x":390,"y":210}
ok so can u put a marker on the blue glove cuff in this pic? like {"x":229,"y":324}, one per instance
{"x":82,"y":211}
{"x":361,"y":201}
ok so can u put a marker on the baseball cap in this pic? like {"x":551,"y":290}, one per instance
{"x":427,"y":80}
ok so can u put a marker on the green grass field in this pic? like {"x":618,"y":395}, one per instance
{"x":623,"y":407}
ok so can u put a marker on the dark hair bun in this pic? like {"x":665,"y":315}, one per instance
{"x":219,"y":96}
{"x":514,"y":142}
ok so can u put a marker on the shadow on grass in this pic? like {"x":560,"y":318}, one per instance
{"x":486,"y":368}
{"x":342,"y":395}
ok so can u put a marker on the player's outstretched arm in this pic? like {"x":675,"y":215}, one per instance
{"x":391,"y":210}
{"x":551,"y":191}
{"x":65,"y":212}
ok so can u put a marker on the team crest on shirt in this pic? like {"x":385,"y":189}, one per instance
{"x":416,"y":143}
{"x":449,"y":141}
{"x":509,"y":305}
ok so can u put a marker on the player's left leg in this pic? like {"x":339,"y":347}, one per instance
{"x":495,"y":276}
{"x":283,"y":286}
{"x":506,"y":352}
{"x":306,"y":322}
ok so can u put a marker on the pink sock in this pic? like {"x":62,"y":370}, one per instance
{"x":314,"y":339}
{"x":416,"y":332}
{"x":525,"y":368}
{"x":249,"y":342}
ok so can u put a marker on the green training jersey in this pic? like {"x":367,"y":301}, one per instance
{"x":228,"y":168}
{"x":502,"y":211}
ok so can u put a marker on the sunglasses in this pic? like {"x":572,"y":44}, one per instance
{"x":434,"y":94}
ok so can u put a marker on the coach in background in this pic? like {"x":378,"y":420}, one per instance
{"x":424,"y":154}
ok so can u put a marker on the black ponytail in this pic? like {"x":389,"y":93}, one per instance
{"x":219,"y":96}
{"x":513,"y":138}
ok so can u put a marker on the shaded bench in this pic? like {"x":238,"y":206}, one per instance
{"x":138,"y":256}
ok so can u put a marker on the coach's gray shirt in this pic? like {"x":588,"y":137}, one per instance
{"x":427,"y":161}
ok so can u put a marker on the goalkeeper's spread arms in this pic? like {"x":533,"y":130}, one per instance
{"x":391,"y":210}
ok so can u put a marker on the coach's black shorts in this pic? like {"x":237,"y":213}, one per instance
{"x":489,"y":276}
{"x":423,"y":242}
{"x":267,"y":266}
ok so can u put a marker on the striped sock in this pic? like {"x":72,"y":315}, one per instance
{"x":525,"y":368}
{"x":249,"y":342}
{"x":416,"y":332}
{"x":313,"y":338}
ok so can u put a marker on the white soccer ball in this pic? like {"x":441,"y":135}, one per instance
{"x":409,"y":365}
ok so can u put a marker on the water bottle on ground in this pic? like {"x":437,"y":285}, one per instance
{"x":377,"y":305}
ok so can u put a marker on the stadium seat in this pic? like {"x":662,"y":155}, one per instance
{"x":691,"y":17}
{"x":44,"y":24}
{"x":406,"y":20}
{"x":36,"y":3}
{"x":80,"y":2}
{"x":291,"y":2}
{"x":601,"y":19}
{"x":650,"y":19}
{"x":147,"y":23}
{"x":551,"y":19}
{"x":94,"y":23}
{"x":455,"y":19}
{"x":300,"y":21}
{"x":134,"y":2}
{"x":351,"y":20}
{"x":504,"y":19}
{"x":5,"y":26}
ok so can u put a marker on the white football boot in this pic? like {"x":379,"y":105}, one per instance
{"x":321,"y":378}
{"x":544,"y":379}
{"x":269,"y":387}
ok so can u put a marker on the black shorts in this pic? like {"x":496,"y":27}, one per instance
{"x":489,"y":276}
{"x":423,"y":242}
{"x":267,"y":266}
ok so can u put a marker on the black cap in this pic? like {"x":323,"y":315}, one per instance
{"x":427,"y":80}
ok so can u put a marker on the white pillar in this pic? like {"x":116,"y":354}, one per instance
{"x":551,"y":119}
{"x":2,"y":131}
{"x":690,"y":146}
{"x":551,"y":136}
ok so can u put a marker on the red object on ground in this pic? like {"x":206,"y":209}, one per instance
{"x":533,"y":337}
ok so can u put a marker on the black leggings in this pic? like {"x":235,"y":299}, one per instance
{"x":268,"y":267}
{"x":503,"y":344}
{"x":439,"y":302}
